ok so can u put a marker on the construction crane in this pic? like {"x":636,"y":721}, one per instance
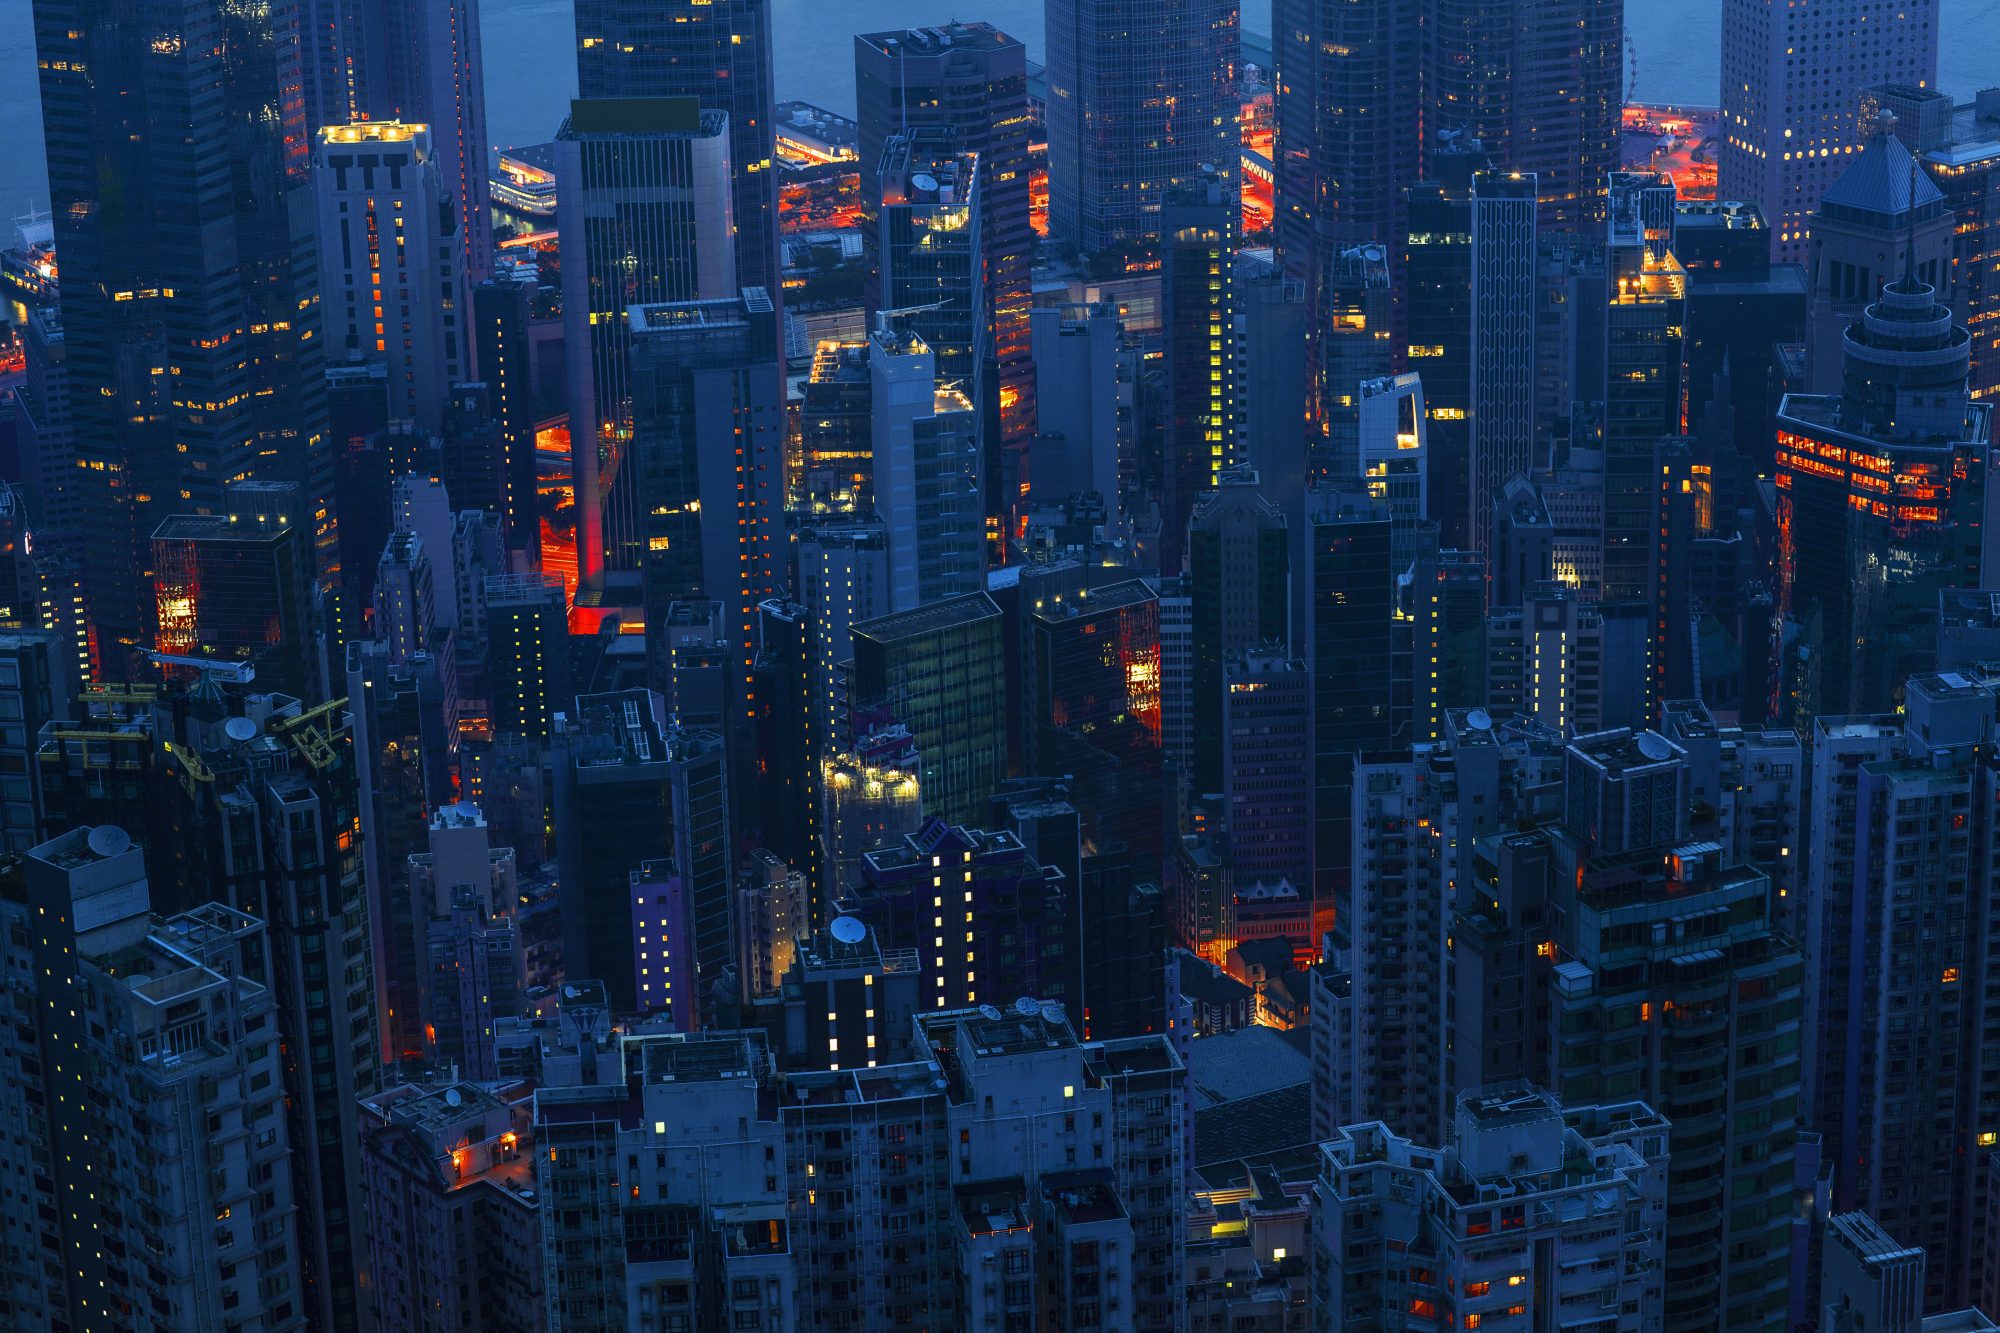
{"x":236,"y":673}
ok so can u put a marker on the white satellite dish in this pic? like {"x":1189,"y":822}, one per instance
{"x":925,"y":182}
{"x":848,"y":930}
{"x":569,"y":992}
{"x":451,"y":1097}
{"x":1479,"y":720}
{"x":109,"y":840}
{"x":1654,"y":746}
{"x":240,"y":729}
{"x":1026,"y":1007}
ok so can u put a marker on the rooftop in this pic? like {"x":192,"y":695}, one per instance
{"x":938,"y":40}
{"x":931,"y":618}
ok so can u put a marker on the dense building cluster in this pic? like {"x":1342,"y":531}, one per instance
{"x":1216,"y":687}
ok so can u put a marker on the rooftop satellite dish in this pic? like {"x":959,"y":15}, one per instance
{"x":848,"y":930}
{"x":1479,"y":720}
{"x":109,"y":840}
{"x":1654,"y":747}
{"x":1026,"y":1007}
{"x":570,"y":992}
{"x":451,"y":1097}
{"x":924,"y":181}
{"x":240,"y":729}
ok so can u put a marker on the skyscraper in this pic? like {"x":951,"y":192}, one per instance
{"x":1539,"y":87}
{"x":391,"y":290}
{"x":923,"y":435}
{"x":1791,"y":92}
{"x":705,"y":466}
{"x":969,"y":80}
{"x":1141,"y":98}
{"x":1197,"y":226}
{"x":383,"y":60}
{"x":178,"y":155}
{"x":646,"y":218}
{"x":1503,"y":341}
{"x":718,"y":54}
{"x":1881,"y":493}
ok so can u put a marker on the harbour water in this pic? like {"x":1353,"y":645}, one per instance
{"x":530,"y":74}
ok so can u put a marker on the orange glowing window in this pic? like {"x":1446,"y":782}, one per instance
{"x":1950,"y":975}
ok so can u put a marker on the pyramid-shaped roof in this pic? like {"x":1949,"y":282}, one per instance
{"x":1884,"y":179}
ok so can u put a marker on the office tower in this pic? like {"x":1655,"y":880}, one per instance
{"x":527,"y":654}
{"x":180,"y":202}
{"x":265,"y":819}
{"x":1438,"y":323}
{"x":836,"y":471}
{"x":454,"y":1221}
{"x":1348,"y":140}
{"x":704,"y":469}
{"x":42,"y":415}
{"x":1791,"y":94}
{"x":1897,"y":459}
{"x":1007,"y":917}
{"x":1267,"y":767}
{"x":1545,"y":659}
{"x":1392,"y":445}
{"x":1239,"y":585}
{"x":1963,"y":160}
{"x":1197,"y":226}
{"x":502,"y":312}
{"x":1347,"y":642}
{"x":1141,"y":99}
{"x":647,"y":791}
{"x":1656,"y":932}
{"x":149,"y":1096}
{"x":1741,"y":307}
{"x":238,"y":587}
{"x":380,"y":61}
{"x":970,"y":81}
{"x":1274,"y":436}
{"x":1754,"y":780}
{"x":1355,"y":344}
{"x":1878,"y":219}
{"x":719,"y":55}
{"x":37,"y":686}
{"x":1503,"y":341}
{"x":931,"y":281}
{"x":662,"y":957}
{"x":1897,"y":1085}
{"x":1539,"y":88}
{"x":1083,"y":375}
{"x":947,"y":1211}
{"x":841,"y":577}
{"x":1586,"y":1181}
{"x":472,"y":452}
{"x":391,"y":286}
{"x":939,"y":671}
{"x":1443,"y":597}
{"x":646,"y":219}
{"x":1091,"y":702}
{"x":1645,"y":330}
{"x":924,"y":438}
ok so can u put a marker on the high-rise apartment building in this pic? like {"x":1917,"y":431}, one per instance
{"x":646,"y":218}
{"x":719,"y":55}
{"x":179,"y":183}
{"x":1239,"y":583}
{"x":391,"y":287}
{"x":1902,"y":1076}
{"x":1791,"y":94}
{"x":1672,"y":984}
{"x":924,"y":440}
{"x":454,"y":1221}
{"x":1142,"y":97}
{"x":1465,"y":1234}
{"x":264,"y":816}
{"x":145,"y":1104}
